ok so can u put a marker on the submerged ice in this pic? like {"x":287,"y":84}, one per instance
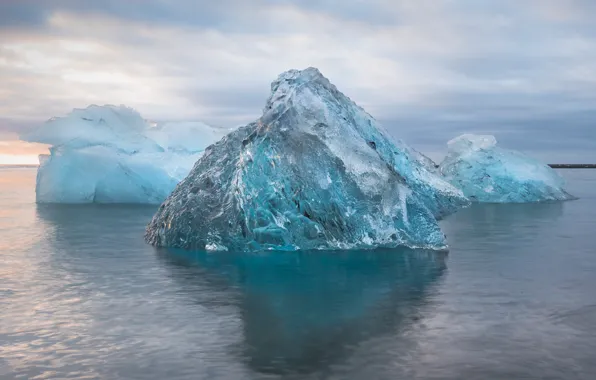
{"x":488,"y":173}
{"x":110,"y":154}
{"x":315,"y":171}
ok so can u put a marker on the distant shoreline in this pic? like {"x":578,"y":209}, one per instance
{"x":573,"y":166}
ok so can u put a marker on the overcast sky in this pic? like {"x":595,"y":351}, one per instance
{"x":523,"y":70}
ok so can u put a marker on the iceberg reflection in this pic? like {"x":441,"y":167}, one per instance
{"x":303,"y":311}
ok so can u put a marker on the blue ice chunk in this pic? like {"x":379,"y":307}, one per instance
{"x":488,"y":173}
{"x":314,"y":172}
{"x":110,"y":154}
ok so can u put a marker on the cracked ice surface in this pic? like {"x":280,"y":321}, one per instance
{"x":314,"y":172}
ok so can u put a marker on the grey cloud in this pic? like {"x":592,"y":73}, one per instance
{"x":565,"y":138}
{"x":245,"y":104}
{"x":15,"y":14}
{"x":224,"y":14}
{"x":359,"y":10}
{"x":430,"y":69}
{"x":33,"y":13}
{"x":10,"y":127}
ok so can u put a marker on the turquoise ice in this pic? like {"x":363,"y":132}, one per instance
{"x":488,"y":173}
{"x":314,"y":172}
{"x":110,"y":154}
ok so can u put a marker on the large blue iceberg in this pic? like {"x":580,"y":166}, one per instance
{"x":314,"y":172}
{"x":488,"y":173}
{"x":110,"y":154}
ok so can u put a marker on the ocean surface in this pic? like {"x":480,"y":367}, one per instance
{"x":83,"y":297}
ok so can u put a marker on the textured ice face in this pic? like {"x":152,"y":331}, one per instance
{"x":350,"y":132}
{"x":314,"y":172}
{"x":118,"y":127}
{"x":488,"y":173}
{"x":186,"y":137}
{"x":110,"y":154}
{"x":100,"y":175}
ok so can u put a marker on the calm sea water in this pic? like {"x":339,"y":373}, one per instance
{"x":82,"y":296}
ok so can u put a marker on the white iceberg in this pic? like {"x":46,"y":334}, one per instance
{"x":182,"y":137}
{"x":488,"y":173}
{"x":110,"y":154}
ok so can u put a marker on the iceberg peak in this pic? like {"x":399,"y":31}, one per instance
{"x":286,"y":88}
{"x":470,"y":142}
